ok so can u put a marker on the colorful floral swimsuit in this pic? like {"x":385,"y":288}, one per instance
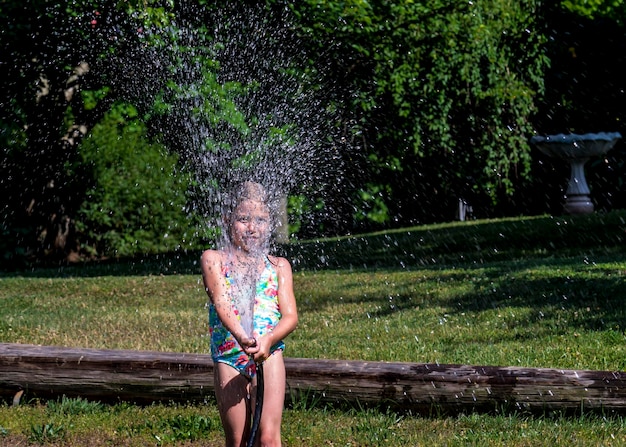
{"x":224,"y":347}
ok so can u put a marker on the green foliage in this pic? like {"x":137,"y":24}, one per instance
{"x":238,"y":100}
{"x":454,"y":83}
{"x":136,"y":203}
{"x":179,"y":428}
{"x":211,"y":102}
{"x":435,"y":100}
{"x":302,"y":209}
{"x":13,"y":137}
{"x":613,"y":9}
{"x":73,"y":407}
{"x":54,"y":90}
{"x":45,"y":433}
{"x":91,"y":98}
{"x":153,"y":13}
{"x":372,"y":206}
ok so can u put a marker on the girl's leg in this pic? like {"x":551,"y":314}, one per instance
{"x":273,"y":400}
{"x":232,"y":391}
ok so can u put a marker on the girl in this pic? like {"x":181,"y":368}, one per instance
{"x":252,"y":308}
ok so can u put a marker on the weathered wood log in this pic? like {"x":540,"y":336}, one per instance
{"x":107,"y":375}
{"x":142,"y":377}
{"x":427,"y":388}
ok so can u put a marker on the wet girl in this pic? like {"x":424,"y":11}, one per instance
{"x":252,"y":308}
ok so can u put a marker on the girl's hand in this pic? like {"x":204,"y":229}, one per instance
{"x":264,"y":346}
{"x":249,"y":345}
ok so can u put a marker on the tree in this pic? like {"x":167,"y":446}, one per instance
{"x":53,"y":54}
{"x":443,"y":94}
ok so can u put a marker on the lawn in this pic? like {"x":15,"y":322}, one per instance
{"x":535,"y":292}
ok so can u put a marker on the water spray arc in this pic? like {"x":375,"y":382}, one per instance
{"x":241,"y":107}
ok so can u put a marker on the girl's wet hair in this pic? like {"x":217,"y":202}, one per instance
{"x":250,"y":191}
{"x":242,"y":192}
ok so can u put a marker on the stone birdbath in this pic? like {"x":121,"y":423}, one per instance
{"x":576,"y":149}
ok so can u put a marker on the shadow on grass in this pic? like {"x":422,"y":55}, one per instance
{"x":512,"y":243}
{"x":472,"y":242}
{"x":565,"y":293}
{"x":173,"y":263}
{"x":589,"y":299}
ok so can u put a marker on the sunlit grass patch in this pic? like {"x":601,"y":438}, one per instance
{"x":151,"y":313}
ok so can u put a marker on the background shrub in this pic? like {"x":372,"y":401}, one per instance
{"x":136,"y":200}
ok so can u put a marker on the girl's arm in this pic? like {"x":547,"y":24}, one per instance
{"x":215,"y":286}
{"x":289,"y":313}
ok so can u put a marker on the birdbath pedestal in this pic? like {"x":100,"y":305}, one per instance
{"x":576,"y":149}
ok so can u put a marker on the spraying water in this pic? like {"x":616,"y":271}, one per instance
{"x":239,"y":109}
{"x":244,"y":276}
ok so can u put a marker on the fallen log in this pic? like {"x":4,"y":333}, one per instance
{"x":106,"y":375}
{"x":144,"y":377}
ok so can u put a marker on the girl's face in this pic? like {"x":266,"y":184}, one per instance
{"x":250,"y":229}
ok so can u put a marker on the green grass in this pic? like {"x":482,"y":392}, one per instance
{"x":127,"y":425}
{"x":536,"y":292}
